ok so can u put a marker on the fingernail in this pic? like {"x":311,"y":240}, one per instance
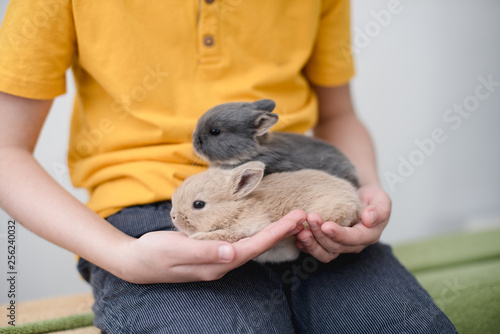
{"x":225,"y":253}
{"x":306,"y":242}
{"x":329,"y":233}
{"x":313,"y":225}
{"x":373,"y":217}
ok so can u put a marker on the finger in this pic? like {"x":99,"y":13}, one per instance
{"x":378,"y":210}
{"x":192,"y":251}
{"x":357,"y":235}
{"x":204,"y":260}
{"x":312,"y":247}
{"x":306,"y":237}
{"x":309,"y":241}
{"x":198,"y":272}
{"x":315,"y":222}
{"x":269,"y":237}
{"x":326,"y":255}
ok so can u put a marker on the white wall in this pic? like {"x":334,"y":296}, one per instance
{"x":427,"y":59}
{"x":411,"y":69}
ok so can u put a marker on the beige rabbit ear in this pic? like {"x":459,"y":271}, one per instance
{"x":246,"y":178}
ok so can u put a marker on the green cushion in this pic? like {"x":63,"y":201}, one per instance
{"x":52,"y":325}
{"x":462,"y":273}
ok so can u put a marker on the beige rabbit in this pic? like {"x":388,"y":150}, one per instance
{"x":231,"y":204}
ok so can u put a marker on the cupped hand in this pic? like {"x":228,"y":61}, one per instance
{"x":172,"y":257}
{"x":327,"y":240}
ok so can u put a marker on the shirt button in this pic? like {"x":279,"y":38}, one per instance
{"x":208,"y":40}
{"x":209,"y":1}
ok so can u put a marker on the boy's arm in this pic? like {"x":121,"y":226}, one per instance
{"x":339,"y":125}
{"x":32,"y":197}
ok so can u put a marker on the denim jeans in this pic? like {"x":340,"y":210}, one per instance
{"x":369,"y":292}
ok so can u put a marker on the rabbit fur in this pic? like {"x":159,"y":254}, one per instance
{"x":231,"y":134}
{"x":231,"y":204}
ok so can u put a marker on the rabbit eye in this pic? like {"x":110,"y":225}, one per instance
{"x":198,"y":204}
{"x":214,"y":132}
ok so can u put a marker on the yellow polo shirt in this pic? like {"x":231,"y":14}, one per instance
{"x":145,"y":71}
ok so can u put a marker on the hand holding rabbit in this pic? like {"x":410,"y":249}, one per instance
{"x":234,"y":204}
{"x":326,"y":240}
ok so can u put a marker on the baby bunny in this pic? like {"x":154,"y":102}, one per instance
{"x":231,"y":204}
{"x":231,"y":134}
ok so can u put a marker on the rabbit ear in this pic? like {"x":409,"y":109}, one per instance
{"x":264,"y":105}
{"x":264,"y":121}
{"x":246,"y":178}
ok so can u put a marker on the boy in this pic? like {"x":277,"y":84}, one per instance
{"x":144,"y":73}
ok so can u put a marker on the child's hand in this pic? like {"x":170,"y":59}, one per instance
{"x":172,"y":257}
{"x":327,"y":240}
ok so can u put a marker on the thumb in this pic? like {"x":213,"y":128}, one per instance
{"x":226,"y":253}
{"x":378,"y":210}
{"x":206,"y":251}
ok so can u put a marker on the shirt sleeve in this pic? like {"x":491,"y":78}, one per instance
{"x":37,"y":46}
{"x":331,"y":62}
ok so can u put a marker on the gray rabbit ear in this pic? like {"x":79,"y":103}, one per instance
{"x":246,"y":178}
{"x":264,"y":105}
{"x":264,"y":121}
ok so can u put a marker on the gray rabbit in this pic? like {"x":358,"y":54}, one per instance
{"x":231,"y":134}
